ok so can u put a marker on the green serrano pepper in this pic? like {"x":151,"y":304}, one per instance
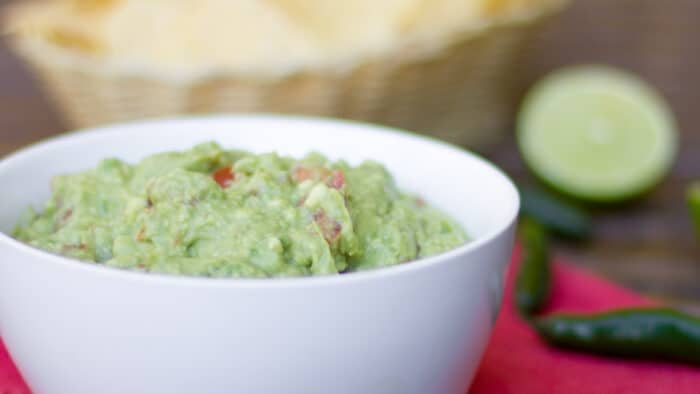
{"x":533,"y":281}
{"x":694,"y":206}
{"x":651,"y":333}
{"x":554,"y":213}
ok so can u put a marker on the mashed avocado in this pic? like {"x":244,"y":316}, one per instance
{"x":219,"y":213}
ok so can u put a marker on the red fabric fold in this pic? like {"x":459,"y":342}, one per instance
{"x":517,"y":362}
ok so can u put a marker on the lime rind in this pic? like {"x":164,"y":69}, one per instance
{"x":561,"y":148}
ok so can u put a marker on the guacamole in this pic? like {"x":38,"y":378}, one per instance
{"x":221,"y":213}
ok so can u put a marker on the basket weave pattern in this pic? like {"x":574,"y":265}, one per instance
{"x":464,"y":94}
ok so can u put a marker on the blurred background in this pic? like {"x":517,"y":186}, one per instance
{"x":647,"y":245}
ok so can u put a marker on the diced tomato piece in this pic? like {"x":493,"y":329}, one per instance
{"x":224,"y":176}
{"x":334,"y":179}
{"x":302,"y":174}
{"x":70,"y":247}
{"x":337,"y":180}
{"x":329,"y":228}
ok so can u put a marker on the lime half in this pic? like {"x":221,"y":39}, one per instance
{"x":597,"y":133}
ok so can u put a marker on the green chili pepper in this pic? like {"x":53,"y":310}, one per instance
{"x":694,"y":206}
{"x":533,"y":280}
{"x":554,"y":213}
{"x":651,"y":333}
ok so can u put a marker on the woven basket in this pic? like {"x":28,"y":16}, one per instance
{"x":464,"y":93}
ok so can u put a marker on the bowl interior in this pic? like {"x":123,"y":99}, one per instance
{"x":469,"y":189}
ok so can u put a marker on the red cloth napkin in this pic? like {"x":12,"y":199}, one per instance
{"x":517,"y":362}
{"x":10,"y":380}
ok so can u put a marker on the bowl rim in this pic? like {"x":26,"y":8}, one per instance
{"x":414,"y":266}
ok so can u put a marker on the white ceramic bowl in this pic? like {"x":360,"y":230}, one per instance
{"x":420,"y":327}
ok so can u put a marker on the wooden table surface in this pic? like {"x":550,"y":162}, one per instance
{"x":648,"y":245}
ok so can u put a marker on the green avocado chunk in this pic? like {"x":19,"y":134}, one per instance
{"x":218,"y":213}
